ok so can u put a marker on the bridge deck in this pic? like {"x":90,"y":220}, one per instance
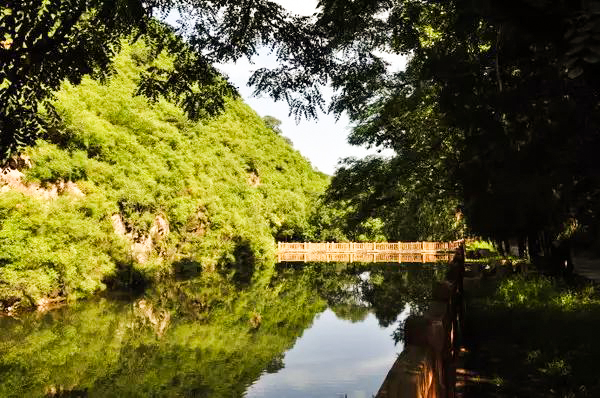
{"x":401,"y":252}
{"x":382,"y":257}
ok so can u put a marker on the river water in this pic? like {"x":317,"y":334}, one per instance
{"x":293,"y":330}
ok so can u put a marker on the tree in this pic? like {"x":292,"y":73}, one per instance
{"x":497,"y":111}
{"x":499,"y":102}
{"x":47,"y":42}
{"x":415,"y":192}
{"x":273,"y":123}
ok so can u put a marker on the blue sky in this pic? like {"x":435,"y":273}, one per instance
{"x":322,"y":141}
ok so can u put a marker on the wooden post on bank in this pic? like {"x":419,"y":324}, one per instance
{"x":426,"y":366}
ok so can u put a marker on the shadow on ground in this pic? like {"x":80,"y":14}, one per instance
{"x":530,"y":336}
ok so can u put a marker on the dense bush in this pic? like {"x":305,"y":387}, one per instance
{"x":217,"y":182}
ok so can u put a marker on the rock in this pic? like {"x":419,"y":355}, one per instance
{"x":159,"y":319}
{"x":253,"y":179}
{"x":118,"y":224}
{"x":19,"y":162}
{"x":46,"y":303}
{"x":11,"y":179}
{"x":69,"y":187}
{"x":160,"y":228}
{"x":141,"y":249}
{"x":141,"y":245}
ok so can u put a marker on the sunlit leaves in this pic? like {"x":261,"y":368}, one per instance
{"x":47,"y":42}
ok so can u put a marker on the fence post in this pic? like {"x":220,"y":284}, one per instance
{"x":426,"y":367}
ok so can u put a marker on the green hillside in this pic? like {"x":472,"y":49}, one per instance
{"x":153,"y":193}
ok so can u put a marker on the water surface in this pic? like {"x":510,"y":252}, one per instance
{"x":295,"y":330}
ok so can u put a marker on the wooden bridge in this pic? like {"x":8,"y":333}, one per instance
{"x":401,"y":252}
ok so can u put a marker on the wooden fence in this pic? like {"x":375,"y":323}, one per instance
{"x":425,"y":368}
{"x":364,"y":257}
{"x":352,"y":247}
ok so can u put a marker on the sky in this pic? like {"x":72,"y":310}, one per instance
{"x":324,"y":141}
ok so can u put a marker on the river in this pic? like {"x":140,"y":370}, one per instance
{"x":291,"y":330}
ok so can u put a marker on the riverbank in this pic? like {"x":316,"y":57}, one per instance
{"x":529,"y":335}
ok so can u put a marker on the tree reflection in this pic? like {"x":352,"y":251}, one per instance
{"x":354,"y":290}
{"x":195,"y":337}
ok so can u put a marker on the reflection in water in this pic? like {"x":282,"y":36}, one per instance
{"x":333,"y":358}
{"x":374,"y":257}
{"x":212,"y":336}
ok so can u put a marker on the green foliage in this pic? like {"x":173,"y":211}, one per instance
{"x":495,"y":112}
{"x":111,"y":347}
{"x":45,"y":42}
{"x":217,"y":182}
{"x":539,"y":292}
{"x":480,"y":244}
{"x":384,"y":197}
{"x":273,"y":123}
{"x":54,"y":164}
{"x":54,"y":248}
{"x":540,"y":338}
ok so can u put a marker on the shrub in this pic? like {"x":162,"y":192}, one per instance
{"x":142,"y":160}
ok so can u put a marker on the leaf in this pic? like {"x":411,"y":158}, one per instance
{"x":569,"y":33}
{"x":575,"y":73}
{"x":571,"y":62}
{"x":580,"y":38}
{"x":595,"y":49}
{"x":574,"y":50}
{"x":588,"y":26}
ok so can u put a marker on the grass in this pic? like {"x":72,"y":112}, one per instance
{"x":535,"y":334}
{"x":480,"y":244}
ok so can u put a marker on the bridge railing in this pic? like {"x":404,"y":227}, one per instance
{"x":350,"y":247}
{"x":365,"y":257}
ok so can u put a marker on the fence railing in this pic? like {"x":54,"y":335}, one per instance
{"x":352,"y":247}
{"x":364,"y":257}
{"x":426,"y":366}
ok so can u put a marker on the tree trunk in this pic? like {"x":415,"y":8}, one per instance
{"x":561,"y":258}
{"x":522,"y":247}
{"x":499,"y":247}
{"x":507,"y":247}
{"x":533,"y":248}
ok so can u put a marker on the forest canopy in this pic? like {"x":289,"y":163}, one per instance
{"x":495,"y":114}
